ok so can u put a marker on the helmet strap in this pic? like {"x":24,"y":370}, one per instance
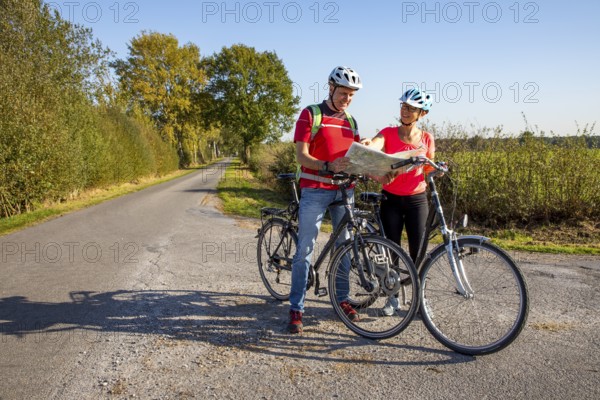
{"x":331,"y":99}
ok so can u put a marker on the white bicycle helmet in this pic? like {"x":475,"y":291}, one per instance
{"x":347,"y":77}
{"x":417,"y":98}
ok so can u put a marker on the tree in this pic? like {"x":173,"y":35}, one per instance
{"x":251,"y":96}
{"x":162,"y":78}
{"x":48,"y":73}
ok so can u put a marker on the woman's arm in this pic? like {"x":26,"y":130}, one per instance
{"x":378,"y":142}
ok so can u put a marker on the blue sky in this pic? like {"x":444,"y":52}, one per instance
{"x":485,"y":62}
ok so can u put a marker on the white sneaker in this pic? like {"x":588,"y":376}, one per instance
{"x":391,"y":305}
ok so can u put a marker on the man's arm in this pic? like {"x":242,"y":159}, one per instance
{"x":308,"y":161}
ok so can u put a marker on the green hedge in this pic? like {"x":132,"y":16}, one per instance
{"x":523,"y":181}
{"x":55,"y":139}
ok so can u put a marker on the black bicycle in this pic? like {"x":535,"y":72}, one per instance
{"x":366,"y":270}
{"x":474,"y":298}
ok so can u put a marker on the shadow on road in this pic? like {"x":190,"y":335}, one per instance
{"x":249,"y":322}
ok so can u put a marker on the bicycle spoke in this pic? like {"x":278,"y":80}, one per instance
{"x":488,"y":321}
{"x":276,"y":247}
{"x":372,"y":321}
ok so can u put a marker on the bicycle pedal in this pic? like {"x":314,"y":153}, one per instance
{"x":322,"y":292}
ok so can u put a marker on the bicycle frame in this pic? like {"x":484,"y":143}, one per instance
{"x":436,"y":219}
{"x":348,"y":222}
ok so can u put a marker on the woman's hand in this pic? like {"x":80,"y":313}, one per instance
{"x":387,"y":178}
{"x":376,"y":142}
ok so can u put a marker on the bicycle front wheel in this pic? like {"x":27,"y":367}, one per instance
{"x":275,"y":249}
{"x":492,"y":317}
{"x":389,"y":308}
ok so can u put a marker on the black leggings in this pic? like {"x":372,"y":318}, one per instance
{"x":409,"y":211}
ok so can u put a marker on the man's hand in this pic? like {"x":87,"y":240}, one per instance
{"x":339,"y":164}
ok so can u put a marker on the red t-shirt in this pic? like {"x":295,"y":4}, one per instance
{"x":412,"y":182}
{"x":331,"y":141}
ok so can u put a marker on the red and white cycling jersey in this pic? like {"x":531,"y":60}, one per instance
{"x":331,"y":141}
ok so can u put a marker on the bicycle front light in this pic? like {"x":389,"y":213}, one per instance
{"x":363,"y":223}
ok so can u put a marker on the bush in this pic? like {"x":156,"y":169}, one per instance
{"x":506,"y":181}
{"x":269,"y":160}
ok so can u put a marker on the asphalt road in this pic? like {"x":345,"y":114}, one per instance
{"x":156,"y":295}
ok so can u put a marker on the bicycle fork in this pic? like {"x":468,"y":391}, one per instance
{"x":456,"y":264}
{"x":366,"y":279}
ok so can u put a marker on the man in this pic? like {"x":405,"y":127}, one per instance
{"x":320,"y":151}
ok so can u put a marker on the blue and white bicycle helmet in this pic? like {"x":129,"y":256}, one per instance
{"x":344,"y":76}
{"x":417,"y":98}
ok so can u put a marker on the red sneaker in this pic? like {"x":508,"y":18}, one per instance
{"x":295,"y":325}
{"x":349,"y":311}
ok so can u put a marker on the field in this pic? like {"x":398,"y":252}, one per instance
{"x":534,"y":193}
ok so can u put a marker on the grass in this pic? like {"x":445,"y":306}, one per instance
{"x":242,"y":194}
{"x":547,"y":247}
{"x":45,"y":212}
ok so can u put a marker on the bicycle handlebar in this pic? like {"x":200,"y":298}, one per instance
{"x":341,"y":177}
{"x":421,"y":160}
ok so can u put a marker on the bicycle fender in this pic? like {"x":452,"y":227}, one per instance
{"x":474,"y":238}
{"x":480,"y":239}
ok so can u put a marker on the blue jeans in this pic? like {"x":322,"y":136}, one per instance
{"x":313,"y":204}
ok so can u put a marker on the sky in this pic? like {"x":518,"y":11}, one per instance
{"x":510,"y":64}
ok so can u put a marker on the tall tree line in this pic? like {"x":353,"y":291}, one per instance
{"x":72,"y":117}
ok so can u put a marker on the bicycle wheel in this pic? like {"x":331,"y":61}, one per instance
{"x":392,"y":266}
{"x":275,"y":249}
{"x":488,"y":321}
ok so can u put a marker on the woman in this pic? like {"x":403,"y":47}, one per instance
{"x":405,"y":203}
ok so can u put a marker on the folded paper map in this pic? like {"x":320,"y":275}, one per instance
{"x":368,"y":161}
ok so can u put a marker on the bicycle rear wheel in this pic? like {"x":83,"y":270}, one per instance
{"x":397,"y":279}
{"x":275,"y":249}
{"x":496,"y":313}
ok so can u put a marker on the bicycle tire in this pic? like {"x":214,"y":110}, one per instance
{"x":276,"y":269}
{"x":372,"y":323}
{"x":495,"y":315}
